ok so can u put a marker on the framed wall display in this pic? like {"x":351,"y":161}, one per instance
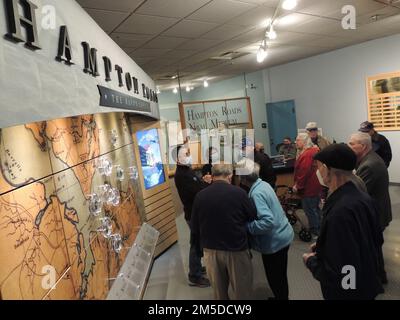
{"x":198,"y":115}
{"x":154,"y":184}
{"x":383,"y":96}
{"x":152,"y":170}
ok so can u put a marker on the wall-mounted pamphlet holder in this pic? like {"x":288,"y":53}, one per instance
{"x":131,"y":280}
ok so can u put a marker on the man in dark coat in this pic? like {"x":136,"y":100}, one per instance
{"x":345,"y":258}
{"x":188,"y":185}
{"x":372,"y":170}
{"x":267,"y":172}
{"x":380,"y":144}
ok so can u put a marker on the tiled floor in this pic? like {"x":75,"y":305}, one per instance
{"x":168,"y":278}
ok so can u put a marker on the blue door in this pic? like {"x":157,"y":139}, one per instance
{"x":281,"y":123}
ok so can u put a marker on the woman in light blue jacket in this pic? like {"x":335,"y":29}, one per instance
{"x":271,"y":233}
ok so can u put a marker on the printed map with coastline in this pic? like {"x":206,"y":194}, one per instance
{"x":47,"y":172}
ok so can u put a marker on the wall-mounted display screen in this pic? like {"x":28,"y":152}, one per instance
{"x":150,"y":158}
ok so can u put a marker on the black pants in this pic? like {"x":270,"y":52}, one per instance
{"x":275,"y":266}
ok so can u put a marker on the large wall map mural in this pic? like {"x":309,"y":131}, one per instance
{"x":48,"y":171}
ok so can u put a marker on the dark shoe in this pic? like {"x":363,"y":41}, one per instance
{"x":384,"y":279}
{"x":203,"y":270}
{"x":200,"y":282}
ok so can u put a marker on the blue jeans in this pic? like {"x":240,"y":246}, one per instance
{"x":194,"y":262}
{"x":313,"y":212}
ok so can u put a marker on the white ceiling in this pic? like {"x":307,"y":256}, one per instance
{"x":167,"y":36}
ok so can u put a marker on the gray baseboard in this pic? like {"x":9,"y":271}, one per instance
{"x":397,"y":184}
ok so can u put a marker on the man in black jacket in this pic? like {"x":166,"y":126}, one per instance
{"x":267,"y":172}
{"x":188,"y":185}
{"x":372,"y":170}
{"x":345,"y":257}
{"x":380,"y":144}
{"x":219,"y":220}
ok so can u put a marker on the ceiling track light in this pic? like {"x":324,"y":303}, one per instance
{"x":289,"y":4}
{"x":175,"y":90}
{"x":187,"y":89}
{"x":271,"y":34}
{"x":262,"y":52}
{"x":205,"y":84}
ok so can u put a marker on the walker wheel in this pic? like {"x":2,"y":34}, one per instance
{"x":305,"y":235}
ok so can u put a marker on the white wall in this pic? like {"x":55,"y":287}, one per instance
{"x":35,"y":87}
{"x":331,"y":89}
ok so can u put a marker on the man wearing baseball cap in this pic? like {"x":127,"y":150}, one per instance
{"x":345,"y":258}
{"x":318,"y":140}
{"x":380,"y":144}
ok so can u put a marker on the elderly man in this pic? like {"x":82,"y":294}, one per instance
{"x":345,"y":258}
{"x":219,"y":219}
{"x":372,"y":170}
{"x":188,"y":185}
{"x":380,"y":144}
{"x":320,"y":141}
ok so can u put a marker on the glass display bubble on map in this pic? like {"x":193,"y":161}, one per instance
{"x":119,"y":172}
{"x":116,"y":197}
{"x":107,"y":193}
{"x":133,"y":172}
{"x":113,"y":137}
{"x":116,"y":242}
{"x":95,"y":204}
{"x":106,"y":227}
{"x":104,"y":166}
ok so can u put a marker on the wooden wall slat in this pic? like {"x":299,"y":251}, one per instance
{"x":161,"y":226}
{"x":160,"y":217}
{"x":168,"y":233}
{"x":159,"y":210}
{"x":166,"y":244}
{"x":157,"y":204}
{"x":157,"y":197}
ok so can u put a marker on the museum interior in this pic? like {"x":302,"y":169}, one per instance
{"x":200,"y":150}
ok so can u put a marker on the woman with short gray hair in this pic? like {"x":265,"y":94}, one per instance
{"x":271,"y":233}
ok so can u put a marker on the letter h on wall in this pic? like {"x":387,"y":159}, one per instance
{"x":27,"y":20}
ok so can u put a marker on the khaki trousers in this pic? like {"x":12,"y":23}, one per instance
{"x":226,"y":268}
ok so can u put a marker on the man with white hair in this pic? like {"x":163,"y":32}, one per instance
{"x":372,"y":170}
{"x":318,"y":140}
{"x":219,"y":219}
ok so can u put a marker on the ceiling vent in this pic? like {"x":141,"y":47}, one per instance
{"x":230,"y":55}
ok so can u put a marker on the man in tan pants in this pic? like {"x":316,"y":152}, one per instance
{"x":219,"y":218}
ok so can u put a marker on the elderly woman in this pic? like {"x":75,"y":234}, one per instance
{"x":306,"y":182}
{"x":271,"y":232}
